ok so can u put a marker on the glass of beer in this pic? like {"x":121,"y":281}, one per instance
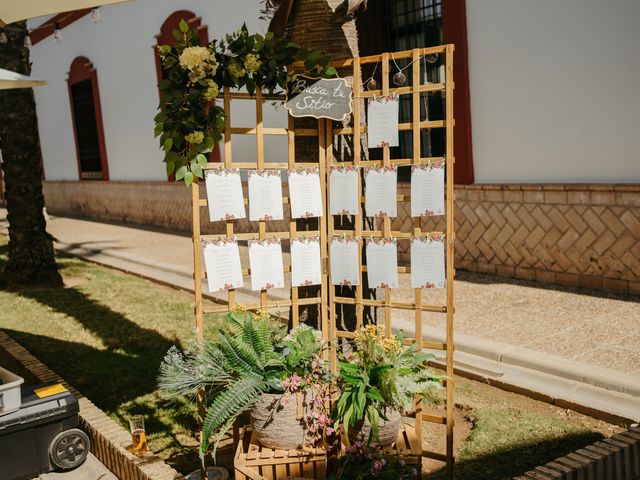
{"x":138,"y":434}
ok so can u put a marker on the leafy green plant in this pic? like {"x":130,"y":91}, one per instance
{"x":251,"y":356}
{"x":380,"y":373}
{"x":189,"y":123}
{"x":364,"y":462}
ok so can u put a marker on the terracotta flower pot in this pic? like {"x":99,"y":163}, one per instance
{"x":277,"y":420}
{"x":388,"y":430}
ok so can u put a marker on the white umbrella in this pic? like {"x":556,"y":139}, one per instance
{"x":16,"y":10}
{"x":9,"y":79}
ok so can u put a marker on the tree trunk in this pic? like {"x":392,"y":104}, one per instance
{"x":326,"y":25}
{"x":31,"y":256}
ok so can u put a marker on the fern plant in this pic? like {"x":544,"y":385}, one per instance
{"x":250,"y":357}
{"x":233,"y":372}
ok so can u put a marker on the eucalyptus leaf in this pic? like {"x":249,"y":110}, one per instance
{"x":181,"y":172}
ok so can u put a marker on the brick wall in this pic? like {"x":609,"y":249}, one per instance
{"x":576,"y":235}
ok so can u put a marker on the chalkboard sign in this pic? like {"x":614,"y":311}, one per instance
{"x":319,"y":98}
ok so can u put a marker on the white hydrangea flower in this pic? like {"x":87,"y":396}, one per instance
{"x":293,"y":334}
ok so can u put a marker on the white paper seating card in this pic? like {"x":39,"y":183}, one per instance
{"x":382,"y":122}
{"x":381,"y":189}
{"x":382,"y":263}
{"x":222,"y":262}
{"x":345,"y":266}
{"x":265,"y":261}
{"x":427,"y":262}
{"x":305,"y":196}
{"x":427,"y":190}
{"x":224,"y":194}
{"x":306,"y":268}
{"x":343,"y":188}
{"x":265,"y":195}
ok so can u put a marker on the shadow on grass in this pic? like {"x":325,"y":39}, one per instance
{"x":504,"y":464}
{"x":120,"y":381}
{"x":122,"y":371}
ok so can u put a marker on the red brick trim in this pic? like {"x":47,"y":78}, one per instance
{"x":454,"y":19}
{"x":82,"y":69}
{"x":63,"y":19}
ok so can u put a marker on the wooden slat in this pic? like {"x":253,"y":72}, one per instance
{"x":254,"y":131}
{"x":429,"y":87}
{"x":256,"y":236}
{"x":357,"y":159}
{"x":325,"y":144}
{"x":450,"y":238}
{"x":399,"y":305}
{"x":401,"y":127}
{"x":268,"y":304}
{"x":377,"y":58}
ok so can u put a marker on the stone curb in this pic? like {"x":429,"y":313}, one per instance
{"x":607,"y":405}
{"x":542,"y":362}
{"x":109,"y":441}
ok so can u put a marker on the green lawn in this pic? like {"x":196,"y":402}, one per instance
{"x":108,"y":332}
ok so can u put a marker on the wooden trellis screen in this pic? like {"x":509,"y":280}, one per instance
{"x":325,"y":132}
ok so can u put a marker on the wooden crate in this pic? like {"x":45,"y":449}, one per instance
{"x":407,"y":446}
{"x":255,"y":462}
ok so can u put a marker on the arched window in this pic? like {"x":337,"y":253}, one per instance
{"x":84,"y":97}
{"x":165,"y":37}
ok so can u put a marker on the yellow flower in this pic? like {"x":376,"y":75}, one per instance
{"x":252,"y":63}
{"x":238,"y":308}
{"x":212,"y":90}
{"x":391,"y":345}
{"x":262,"y":315}
{"x":236,"y":71}
{"x":193,"y":57}
{"x":194,"y":138}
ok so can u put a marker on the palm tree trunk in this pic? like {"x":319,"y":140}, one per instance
{"x":31,"y":255}
{"x":326,"y":25}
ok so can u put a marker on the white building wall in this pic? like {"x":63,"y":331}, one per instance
{"x":555,"y":90}
{"x":120,"y":48}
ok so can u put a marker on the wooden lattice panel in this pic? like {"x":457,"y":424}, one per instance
{"x":409,"y":443}
{"x":259,"y":132}
{"x":383,"y":228}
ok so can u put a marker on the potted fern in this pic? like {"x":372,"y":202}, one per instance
{"x":379,"y":379}
{"x":254,"y":367}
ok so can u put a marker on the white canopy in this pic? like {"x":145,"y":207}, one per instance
{"x":16,"y":10}
{"x":9,"y":79}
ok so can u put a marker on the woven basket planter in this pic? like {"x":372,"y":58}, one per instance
{"x":388,"y":430}
{"x":277,"y":420}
